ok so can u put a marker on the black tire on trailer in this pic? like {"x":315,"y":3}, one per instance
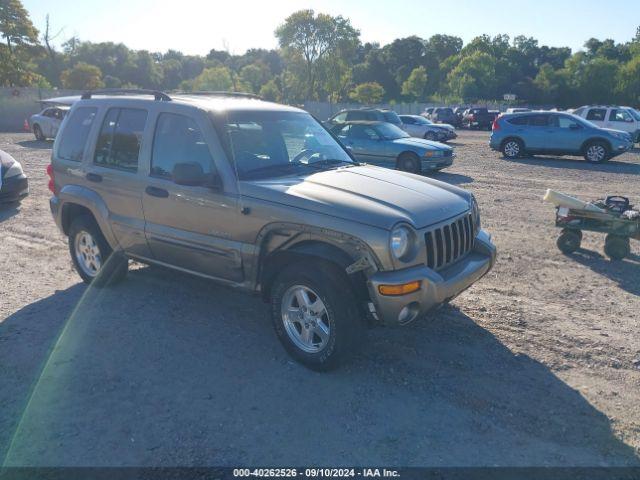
{"x":569,"y":240}
{"x":616,"y":246}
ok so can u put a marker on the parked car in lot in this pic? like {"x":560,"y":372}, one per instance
{"x":478,"y":118}
{"x":418,"y":126}
{"x":47,"y":123}
{"x":556,"y":133}
{"x":517,"y":110}
{"x":459,"y":113}
{"x":615,"y":117}
{"x":428,"y":112}
{"x":14,"y":185}
{"x":260,"y":196}
{"x":443,"y":115}
{"x":388,"y":145}
{"x":364,"y":114}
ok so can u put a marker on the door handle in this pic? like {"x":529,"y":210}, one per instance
{"x":157,"y":192}
{"x":94,"y":177}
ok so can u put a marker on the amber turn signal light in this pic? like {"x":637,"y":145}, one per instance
{"x":402,"y":289}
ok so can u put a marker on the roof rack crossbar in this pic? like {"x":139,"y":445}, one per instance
{"x":157,"y":95}
{"x":222,"y":94}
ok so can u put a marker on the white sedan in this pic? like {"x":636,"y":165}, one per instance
{"x":47,"y":123}
{"x":418,"y":126}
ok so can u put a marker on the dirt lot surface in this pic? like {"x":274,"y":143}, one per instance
{"x":538,"y":364}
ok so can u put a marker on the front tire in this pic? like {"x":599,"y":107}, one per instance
{"x":596,"y":152}
{"x":569,"y":240}
{"x":409,"y":162}
{"x":92,"y":256}
{"x":616,"y":247}
{"x":512,"y":148}
{"x":315,"y":315}
{"x":37,"y":131}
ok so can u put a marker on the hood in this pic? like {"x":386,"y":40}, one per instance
{"x":611,"y":130}
{"x":414,"y":142}
{"x":366,"y":194}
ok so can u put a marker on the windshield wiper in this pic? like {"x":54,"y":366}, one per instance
{"x":275,"y":168}
{"x":320,"y":164}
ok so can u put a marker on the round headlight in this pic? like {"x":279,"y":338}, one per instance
{"x":402,"y":242}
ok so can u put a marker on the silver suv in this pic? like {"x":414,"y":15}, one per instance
{"x":262,"y":197}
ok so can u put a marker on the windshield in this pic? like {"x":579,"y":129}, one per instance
{"x":634,"y":113}
{"x":390,"y":132}
{"x":275,"y":144}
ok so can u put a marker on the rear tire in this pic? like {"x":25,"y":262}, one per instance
{"x":596,"y":152}
{"x":569,"y":240}
{"x":37,"y":131}
{"x":315,"y":314}
{"x":92,"y":256}
{"x":512,"y":148}
{"x":408,"y":162}
{"x":616,"y":247}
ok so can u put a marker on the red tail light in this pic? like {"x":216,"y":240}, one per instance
{"x":52,"y":187}
{"x":496,"y":125}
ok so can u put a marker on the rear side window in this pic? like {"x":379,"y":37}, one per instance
{"x":539,"y":120}
{"x":619,"y":116}
{"x":391,"y":117}
{"x":178,"y":140}
{"x":408,"y":120}
{"x":74,"y":136}
{"x":356,"y":115}
{"x":596,"y":114}
{"x":522,"y":120}
{"x":120,"y":139}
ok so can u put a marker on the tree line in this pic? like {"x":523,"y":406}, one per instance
{"x":321,"y":57}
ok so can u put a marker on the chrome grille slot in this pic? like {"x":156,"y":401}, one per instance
{"x":448,"y":243}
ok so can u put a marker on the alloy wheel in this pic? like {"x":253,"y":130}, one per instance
{"x":512,"y":149}
{"x":87,"y":253}
{"x":596,"y":153}
{"x":305,"y":319}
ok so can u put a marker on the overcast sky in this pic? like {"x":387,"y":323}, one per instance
{"x":196,"y":26}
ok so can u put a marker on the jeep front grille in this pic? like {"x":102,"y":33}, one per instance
{"x":448,"y":243}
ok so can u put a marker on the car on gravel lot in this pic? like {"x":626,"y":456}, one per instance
{"x":443,"y":115}
{"x":616,"y":117}
{"x":260,"y":196}
{"x":14,"y":184}
{"x":420,"y":127}
{"x":47,"y":123}
{"x":364,"y":114}
{"x":556,"y":133}
{"x":389,"y":146}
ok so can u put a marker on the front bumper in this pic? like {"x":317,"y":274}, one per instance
{"x":14,"y":188}
{"x":437,"y":286}
{"x":437,"y":163}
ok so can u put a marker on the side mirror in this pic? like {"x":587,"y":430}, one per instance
{"x":189,"y":174}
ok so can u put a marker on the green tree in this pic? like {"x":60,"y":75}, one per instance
{"x":82,"y":77}
{"x":628,"y":84}
{"x":19,"y":48}
{"x":271,"y":92}
{"x":313,"y":37}
{"x":474,"y":77}
{"x":415,"y":85}
{"x":254,"y":76}
{"x":367,"y":93}
{"x":214,"y":79}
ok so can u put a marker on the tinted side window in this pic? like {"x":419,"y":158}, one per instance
{"x":340,"y":118}
{"x":178,"y":139}
{"x":408,"y":120}
{"x":539,"y":120}
{"x":120,"y":138}
{"x":391,"y":117}
{"x":74,"y":136}
{"x":356,"y":115}
{"x":523,"y":120}
{"x":567,"y":122}
{"x":619,"y":116}
{"x":596,"y":114}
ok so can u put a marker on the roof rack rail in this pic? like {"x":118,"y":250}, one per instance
{"x":158,"y":95}
{"x":216,"y":93}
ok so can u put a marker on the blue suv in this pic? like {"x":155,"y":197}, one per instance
{"x":556,"y":133}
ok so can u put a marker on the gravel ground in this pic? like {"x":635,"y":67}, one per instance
{"x":537,"y":364}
